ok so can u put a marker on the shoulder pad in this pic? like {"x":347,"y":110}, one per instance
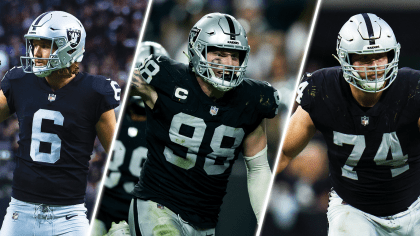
{"x":163,"y":72}
{"x":267,"y":97}
{"x":106,"y":86}
{"x":311,"y":83}
{"x":14,"y":73}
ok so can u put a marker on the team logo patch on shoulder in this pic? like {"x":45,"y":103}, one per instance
{"x":213,"y":110}
{"x":73,"y":36}
{"x":52,"y":97}
{"x":160,"y":206}
{"x":180,"y":95}
{"x":365,"y":120}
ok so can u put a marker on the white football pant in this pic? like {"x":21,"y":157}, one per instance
{"x":345,"y":220}
{"x":35,"y":219}
{"x":151,"y":218}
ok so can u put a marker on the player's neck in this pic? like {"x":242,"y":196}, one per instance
{"x":209,"y":89}
{"x":365,"y":99}
{"x":56,"y":83}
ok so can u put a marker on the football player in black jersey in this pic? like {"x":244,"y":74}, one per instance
{"x":129,"y":155}
{"x":199,"y":118}
{"x":60,"y":112}
{"x":368,"y":112}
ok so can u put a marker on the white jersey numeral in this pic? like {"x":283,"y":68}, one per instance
{"x":117,"y":90}
{"x":389,"y":141}
{"x":145,"y":69}
{"x":301,"y":87}
{"x":213,"y":165}
{"x":359,"y":146}
{"x":137,"y":158}
{"x":38,"y":136}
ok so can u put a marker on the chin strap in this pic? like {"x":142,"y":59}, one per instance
{"x":259,"y":176}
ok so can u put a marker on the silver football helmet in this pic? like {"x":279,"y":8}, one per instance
{"x":148,"y":48}
{"x":221,"y":31}
{"x":366,"y":33}
{"x":65,"y":32}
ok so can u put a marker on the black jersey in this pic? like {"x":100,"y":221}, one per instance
{"x":374,"y":154}
{"x":193,"y":141}
{"x":129,"y":155}
{"x":56,"y":133}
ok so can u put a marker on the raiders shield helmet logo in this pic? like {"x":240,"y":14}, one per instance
{"x":73,"y":36}
{"x":193,"y":35}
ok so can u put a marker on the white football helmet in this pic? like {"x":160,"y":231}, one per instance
{"x":148,"y":48}
{"x":65,"y":31}
{"x":221,"y":31}
{"x":366,"y":33}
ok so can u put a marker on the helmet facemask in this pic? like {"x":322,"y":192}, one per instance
{"x":218,"y":31}
{"x":379,"y":83}
{"x":228,"y":76}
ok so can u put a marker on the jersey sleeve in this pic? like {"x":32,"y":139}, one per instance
{"x":6,"y":87}
{"x":109,"y":92}
{"x":269,"y":101}
{"x":160,"y":72}
{"x":303,"y":94}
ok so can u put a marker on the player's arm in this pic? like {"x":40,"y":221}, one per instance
{"x":259,"y":174}
{"x":300,"y":131}
{"x":141,"y":88}
{"x":4,"y":108}
{"x":105,"y":128}
{"x":418,"y":124}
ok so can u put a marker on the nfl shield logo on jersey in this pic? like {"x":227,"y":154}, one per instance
{"x":15,"y":216}
{"x":52,"y":97}
{"x":365,"y":120}
{"x":213,"y":110}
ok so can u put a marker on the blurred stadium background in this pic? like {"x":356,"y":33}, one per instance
{"x":112,"y":29}
{"x":299,"y":199}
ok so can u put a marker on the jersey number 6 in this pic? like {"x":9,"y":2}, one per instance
{"x":38,"y":136}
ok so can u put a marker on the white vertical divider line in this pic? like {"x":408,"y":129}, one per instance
{"x":302,"y":65}
{"x":121,"y":113}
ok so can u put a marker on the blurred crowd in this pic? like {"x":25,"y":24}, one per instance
{"x":112,"y":29}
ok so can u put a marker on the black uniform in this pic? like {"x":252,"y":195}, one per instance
{"x":129,"y":155}
{"x":374,"y":154}
{"x":193,"y":141}
{"x":56,"y":133}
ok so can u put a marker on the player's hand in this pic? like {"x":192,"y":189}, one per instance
{"x":138,"y":82}
{"x":139,"y":87}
